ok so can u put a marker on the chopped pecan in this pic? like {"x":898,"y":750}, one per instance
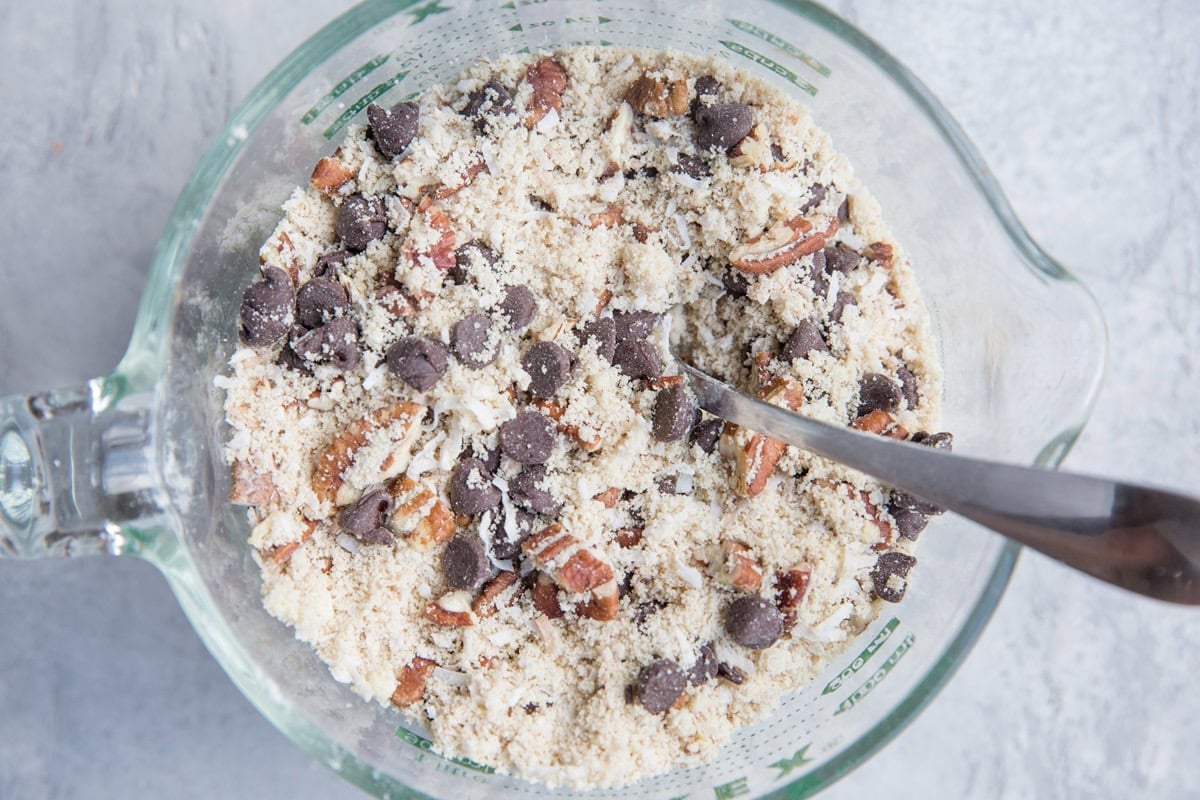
{"x":603,"y":300}
{"x":642,"y":233}
{"x":545,"y":596}
{"x":882,"y":423}
{"x":281,"y":553}
{"x":657,"y":97}
{"x":783,"y":243}
{"x":419,"y":516}
{"x":410,"y":686}
{"x":603,"y":603}
{"x":249,"y":487}
{"x":753,"y":152}
{"x":628,"y":537}
{"x":791,"y":586}
{"x":738,"y":568}
{"x":664,"y":381}
{"x":328,"y":482}
{"x":452,"y":609}
{"x":783,"y":392}
{"x":609,"y":497}
{"x":752,"y":461}
{"x":469,"y":174}
{"x":887,"y":533}
{"x":441,"y":254}
{"x":610,"y":217}
{"x":880,"y":253}
{"x":489,"y":599}
{"x":329,"y":175}
{"x":548,"y":80}
{"x":590,"y":444}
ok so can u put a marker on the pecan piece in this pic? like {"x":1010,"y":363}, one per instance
{"x":610,"y":217}
{"x":452,"y":609}
{"x":589,"y":444}
{"x":628,"y":537}
{"x":469,"y":174}
{"x":657,"y":97}
{"x":609,"y":497}
{"x":249,"y":487}
{"x":410,"y":686}
{"x":738,"y":568}
{"x":441,"y":254}
{"x":791,"y":586}
{"x":281,"y":553}
{"x":880,"y":253}
{"x":603,"y":603}
{"x":489,"y":599}
{"x":882,"y":423}
{"x":752,"y":461}
{"x":545,"y":596}
{"x":328,"y":482}
{"x":548,"y":80}
{"x":329,"y":175}
{"x":782,"y":244}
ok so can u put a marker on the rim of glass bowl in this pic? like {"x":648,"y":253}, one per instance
{"x":141,"y":365}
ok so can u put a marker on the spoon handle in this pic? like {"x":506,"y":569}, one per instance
{"x":1142,"y":539}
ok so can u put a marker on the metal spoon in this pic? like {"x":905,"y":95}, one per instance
{"x":1141,"y":539}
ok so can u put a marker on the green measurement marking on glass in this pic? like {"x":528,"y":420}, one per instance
{"x":785,"y":46}
{"x":871,"y":649}
{"x":343,"y":85}
{"x":858,"y":694}
{"x":728,"y":791}
{"x":786,"y":765}
{"x":362,"y":103}
{"x":771,"y":64}
{"x":421,"y":743}
{"x":421,"y":13}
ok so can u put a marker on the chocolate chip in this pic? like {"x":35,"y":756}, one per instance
{"x":891,"y":565}
{"x":914,"y":503}
{"x":840,"y":258}
{"x":266,"y":313}
{"x":666,"y":484}
{"x":706,"y":434}
{"x":647,"y":609}
{"x":418,"y":361}
{"x":502,"y":546}
{"x":464,"y":563}
{"x":360,"y":221}
{"x":470,"y":259}
{"x":942,"y":441}
{"x":288,"y":357}
{"x":692,"y":166}
{"x":877,"y":393}
{"x":471,"y":489}
{"x":488,"y":100}
{"x":909,"y":523}
{"x":469,"y":341}
{"x":707,"y":85}
{"x":637,"y":358}
{"x":843,"y":213}
{"x":528,"y":438}
{"x":334,"y":343}
{"x":519,"y":306}
{"x":659,"y":684}
{"x":705,"y":668}
{"x":723,"y":125}
{"x":840,"y":302}
{"x":735,"y":282}
{"x":753,"y":622}
{"x":804,"y":340}
{"x":603,"y":332}
{"x":393,"y":129}
{"x":526,"y":491}
{"x":549,"y":365}
{"x":329,"y":264}
{"x":673,"y":414}
{"x":369,"y":513}
{"x":908,"y":387}
{"x":815,"y":195}
{"x":319,"y":301}
{"x":731,"y":673}
{"x":777,"y":152}
{"x":634,"y":324}
{"x":816,"y":274}
{"x":630,"y":694}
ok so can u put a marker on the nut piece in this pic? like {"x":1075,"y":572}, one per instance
{"x":441,"y":255}
{"x":451,"y":609}
{"x":603,"y":604}
{"x":609,"y":497}
{"x":581,"y":570}
{"x":489,"y":600}
{"x":880,"y":253}
{"x":610,"y":217}
{"x":424,"y":520}
{"x":656,"y":97}
{"x":251,"y":488}
{"x":753,"y":152}
{"x":753,"y":461}
{"x":737,"y":568}
{"x":628,"y":537}
{"x":783,"y":243}
{"x":545,"y":596}
{"x":329,"y":175}
{"x":589,"y":444}
{"x":791,"y":586}
{"x":620,"y":136}
{"x":548,"y":80}
{"x":469,"y":174}
{"x":882,"y":423}
{"x":783,"y":392}
{"x":281,"y":553}
{"x":328,"y":480}
{"x":410,"y":686}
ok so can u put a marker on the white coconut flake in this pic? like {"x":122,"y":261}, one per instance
{"x":374,"y":379}
{"x":547,"y":122}
{"x":425,"y":459}
{"x":689,"y":575}
{"x":625,"y":63}
{"x":502,"y":637}
{"x":450,"y":676}
{"x":687,"y":181}
{"x":240,"y":355}
{"x":348,"y":543}
{"x":681,"y":225}
{"x":223,"y":382}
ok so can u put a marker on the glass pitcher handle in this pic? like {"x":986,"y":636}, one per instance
{"x":77,"y":474}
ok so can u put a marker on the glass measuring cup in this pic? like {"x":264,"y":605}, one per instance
{"x":130,"y":463}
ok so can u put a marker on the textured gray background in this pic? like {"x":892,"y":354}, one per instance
{"x":1089,"y":113}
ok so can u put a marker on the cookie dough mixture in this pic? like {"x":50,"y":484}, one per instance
{"x":480,"y":488}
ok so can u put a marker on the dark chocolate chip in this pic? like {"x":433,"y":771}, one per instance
{"x":360,"y":221}
{"x":526,"y":491}
{"x":393,"y":129}
{"x":666,"y":484}
{"x":465,"y":565}
{"x":469,"y":341}
{"x":491,"y":459}
{"x":731,"y":673}
{"x":334,"y":343}
{"x":815,"y":196}
{"x":647,"y":609}
{"x":266,"y":313}
{"x":637,"y":358}
{"x":630,"y":694}
{"x":914,"y":503}
{"x":418,"y":361}
{"x":877,"y":393}
{"x":377,"y":535}
{"x":843,"y":213}
{"x":707,"y":85}
{"x":753,"y":622}
{"x":634,"y":324}
{"x":488,"y":100}
{"x":603,"y":332}
{"x":288,"y":357}
{"x":706,"y":434}
{"x":471,"y":489}
{"x":659,"y":685}
{"x":735,"y":282}
{"x":504,"y":547}
{"x":909,"y":523}
{"x":840,"y":302}
{"x":722,"y":125}
{"x":816,"y":274}
{"x":705,"y":668}
{"x":549,"y":365}
{"x":777,"y":152}
{"x":369,"y":512}
{"x":329,"y":264}
{"x":692,"y":166}
{"x":804,"y":340}
{"x":519,"y":307}
{"x":528,"y":438}
{"x":908,"y":387}
{"x":942,"y":441}
{"x":673,"y":414}
{"x":319,"y":301}
{"x":470,"y":259}
{"x":840,"y":258}
{"x":891,"y":565}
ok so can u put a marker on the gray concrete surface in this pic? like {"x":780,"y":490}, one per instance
{"x":1089,"y":114}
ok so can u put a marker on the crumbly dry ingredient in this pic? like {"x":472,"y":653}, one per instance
{"x":480,"y":490}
